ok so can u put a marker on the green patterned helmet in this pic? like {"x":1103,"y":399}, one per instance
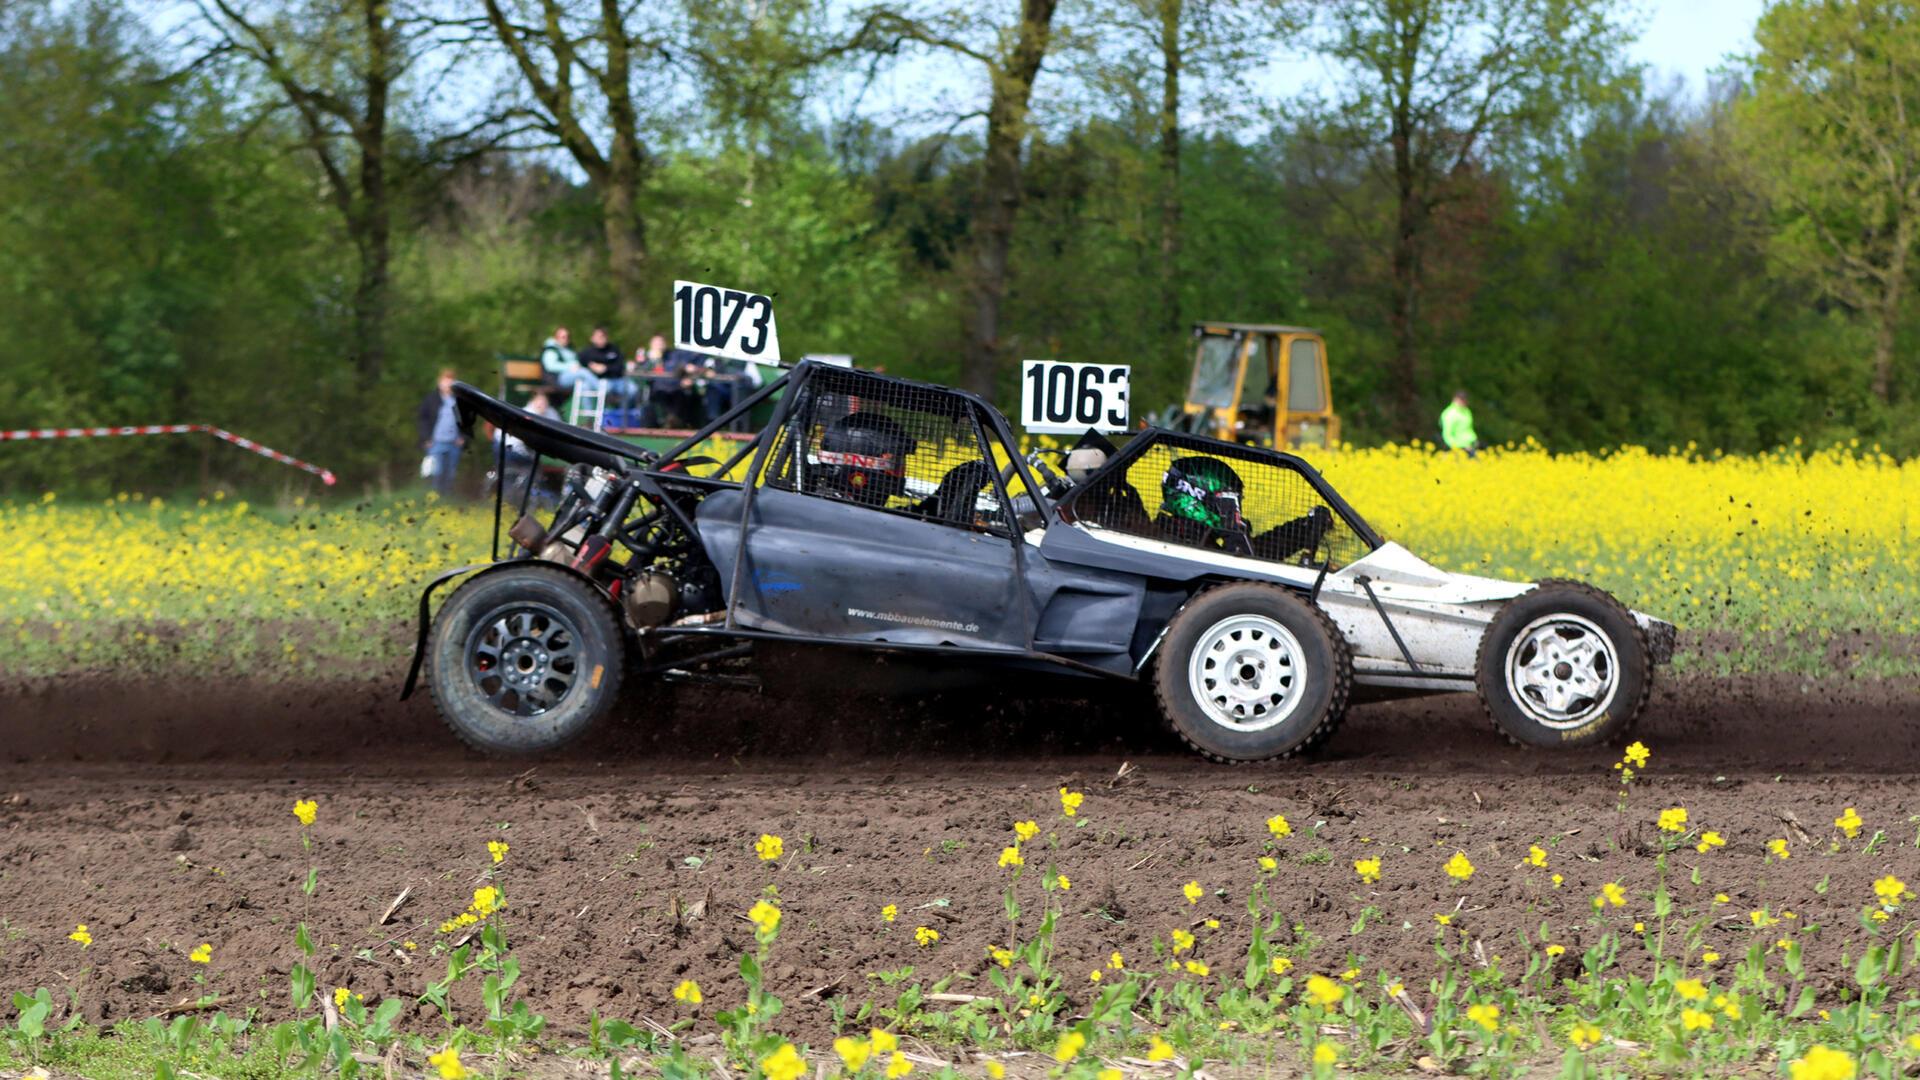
{"x":1203,"y":490}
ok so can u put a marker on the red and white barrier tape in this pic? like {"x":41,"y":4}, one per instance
{"x":325,"y":476}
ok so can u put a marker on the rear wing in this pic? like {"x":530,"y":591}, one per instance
{"x":546,"y":436}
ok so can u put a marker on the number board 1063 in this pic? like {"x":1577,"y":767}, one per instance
{"x":1059,"y":398}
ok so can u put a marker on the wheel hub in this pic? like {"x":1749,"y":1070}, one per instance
{"x":522,"y":658}
{"x":1245,"y":672}
{"x":1563,"y":670}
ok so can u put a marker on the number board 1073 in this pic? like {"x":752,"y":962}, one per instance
{"x":724,"y":322}
{"x":1058,"y":398}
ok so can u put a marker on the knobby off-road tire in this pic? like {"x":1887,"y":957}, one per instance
{"x":524,"y":660}
{"x":1564,"y":665}
{"x":1249,"y":672}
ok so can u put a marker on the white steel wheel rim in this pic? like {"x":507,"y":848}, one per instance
{"x":1247,"y":673}
{"x":1562,"y":670}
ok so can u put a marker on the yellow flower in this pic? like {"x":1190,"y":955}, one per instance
{"x":1778,"y":845}
{"x":1891,"y":890}
{"x":1729,"y":1004}
{"x":487,"y":900}
{"x":996,"y":1070}
{"x":1268,"y":862}
{"x":1325,"y":1053}
{"x":1003,"y":957}
{"x":1556,"y":950}
{"x":1584,"y":1035}
{"x":80,"y":935}
{"x":1443,"y":919}
{"x":306,"y":810}
{"x":410,"y":946}
{"x":497,"y":849}
{"x":1722,"y":898}
{"x":884,"y":1042}
{"x":1026,"y":830}
{"x":1695,"y":1020}
{"x":689,"y":992}
{"x":1761,"y":919}
{"x":1536,"y":855}
{"x":1613,"y":894}
{"x":784,"y":1063}
{"x":1069,"y":1047}
{"x":1061,"y":880}
{"x":1350,"y":974}
{"x":1195,"y":967}
{"x":1117,"y":962}
{"x":342,"y":995}
{"x":1182,"y":941}
{"x":769,"y":847}
{"x":1010,"y":856}
{"x":447,"y":1062}
{"x":1487,"y":1016}
{"x":1848,"y":822}
{"x":1709,"y":957}
{"x":765,"y":918}
{"x":1192,"y":891}
{"x":1458,"y":867}
{"x":925,"y":936}
{"x":1325,"y":991}
{"x":1396,"y":989}
{"x":1158,"y":1049}
{"x":1070,"y":805}
{"x":1637,"y":754}
{"x":1557,"y":880}
{"x":1691,"y":989}
{"x":1639,"y":928}
{"x":853,"y":1052}
{"x":1673,"y":820}
{"x":1279,"y":826}
{"x":889,"y":913}
{"x":1368,"y":869}
{"x":1708,"y":841}
{"x":1109,"y":1074}
{"x":1820,"y":1063}
{"x":1095,"y":975}
{"x":1281,"y":965}
{"x":201,"y":954}
{"x":898,"y":1065}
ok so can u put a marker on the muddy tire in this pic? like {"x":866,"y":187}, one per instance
{"x":1564,"y":665}
{"x":1249,"y":672}
{"x":524,"y":660}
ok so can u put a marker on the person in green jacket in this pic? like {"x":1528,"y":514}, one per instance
{"x":1456,"y":426}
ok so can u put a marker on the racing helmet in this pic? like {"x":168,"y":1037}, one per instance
{"x":1205,"y":491}
{"x":863,"y":457}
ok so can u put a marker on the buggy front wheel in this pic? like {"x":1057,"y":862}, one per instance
{"x":1248,"y":672}
{"x":524,"y":660}
{"x":1564,"y":665}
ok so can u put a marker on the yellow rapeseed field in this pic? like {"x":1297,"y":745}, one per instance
{"x":1783,"y":546}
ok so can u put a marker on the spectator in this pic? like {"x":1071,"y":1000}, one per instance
{"x":520,"y":470}
{"x":670,"y":376}
{"x":562,"y":364}
{"x":440,"y":435}
{"x":608,"y":364}
{"x":1456,"y":426}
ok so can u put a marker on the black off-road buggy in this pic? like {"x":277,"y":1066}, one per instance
{"x":877,"y":513}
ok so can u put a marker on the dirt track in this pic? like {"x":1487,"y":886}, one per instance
{"x":160,"y":816}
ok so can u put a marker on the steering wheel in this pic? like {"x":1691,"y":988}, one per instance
{"x":1051,"y":482}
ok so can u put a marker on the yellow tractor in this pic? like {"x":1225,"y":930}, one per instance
{"x":1260,"y":384}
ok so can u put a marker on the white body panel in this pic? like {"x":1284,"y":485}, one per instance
{"x":1440,"y":616}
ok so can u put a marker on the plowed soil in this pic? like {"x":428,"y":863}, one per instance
{"x":158,"y":813}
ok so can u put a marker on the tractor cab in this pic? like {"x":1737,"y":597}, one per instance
{"x":1260,"y":384}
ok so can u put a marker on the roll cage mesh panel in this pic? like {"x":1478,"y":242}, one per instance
{"x":889,"y":445}
{"x":1206,"y":494}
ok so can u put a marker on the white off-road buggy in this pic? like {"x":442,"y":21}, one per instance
{"x":877,"y":513}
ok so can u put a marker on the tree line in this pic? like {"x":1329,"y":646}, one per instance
{"x":283,"y":215}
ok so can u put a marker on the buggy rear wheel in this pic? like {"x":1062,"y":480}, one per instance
{"x":1248,"y":672}
{"x":524,"y":660}
{"x":1564,"y":665}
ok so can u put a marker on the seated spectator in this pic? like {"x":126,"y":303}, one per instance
{"x":604,"y":360}
{"x":561,"y":363}
{"x":670,"y":376}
